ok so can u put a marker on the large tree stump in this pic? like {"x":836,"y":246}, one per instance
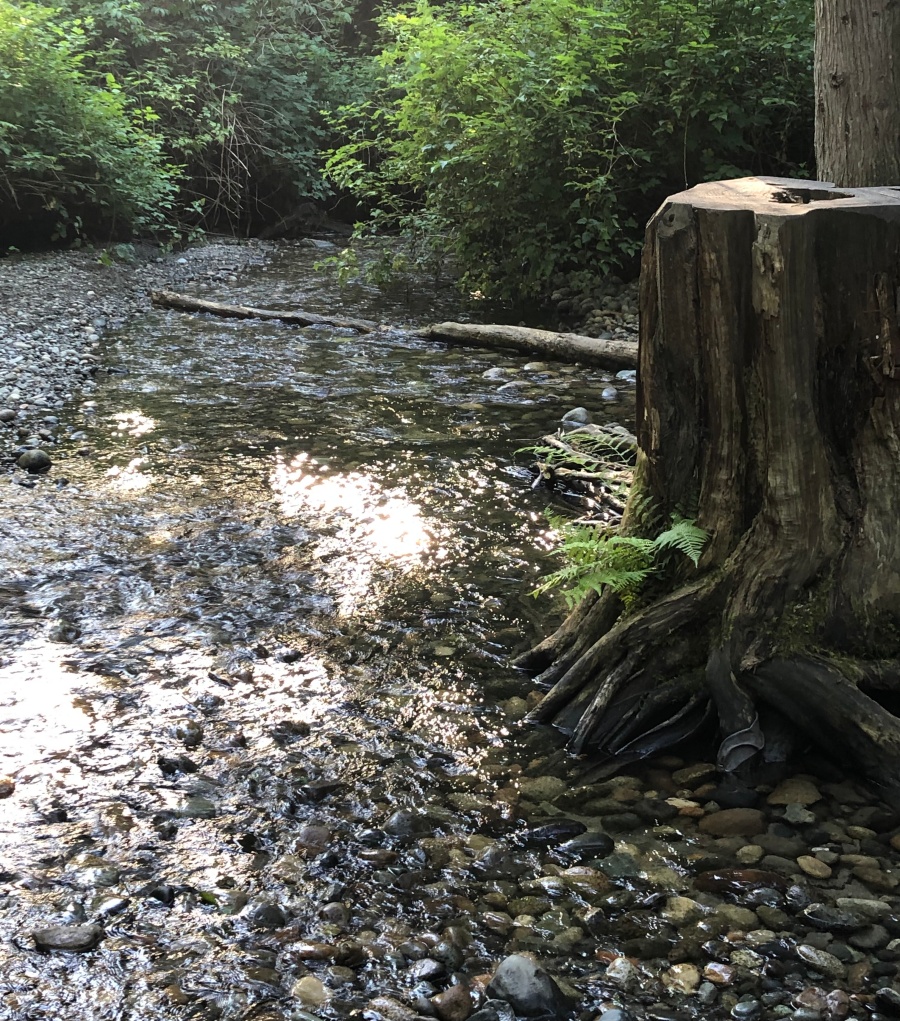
{"x":769,"y":410}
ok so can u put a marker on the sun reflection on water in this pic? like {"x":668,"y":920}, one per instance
{"x":369,"y":526}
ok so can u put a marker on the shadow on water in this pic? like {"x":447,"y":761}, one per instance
{"x":253,"y":685}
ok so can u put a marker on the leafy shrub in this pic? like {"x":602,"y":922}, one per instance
{"x":71,"y":145}
{"x":238,"y":91}
{"x":530,"y":139}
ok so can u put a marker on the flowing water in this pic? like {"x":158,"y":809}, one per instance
{"x":254,"y":692}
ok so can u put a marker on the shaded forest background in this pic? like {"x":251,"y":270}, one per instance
{"x":526,"y":140}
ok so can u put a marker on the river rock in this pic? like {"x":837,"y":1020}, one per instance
{"x":528,"y":989}
{"x":681,"y":911}
{"x":542,"y":788}
{"x":871,"y":910}
{"x":682,"y":978}
{"x":392,"y":1010}
{"x":7,"y":415}
{"x":622,"y":973}
{"x":796,"y":790}
{"x":71,"y":938}
{"x":576,"y":418}
{"x":734,"y":822}
{"x":813,"y":867}
{"x":593,"y":844}
{"x":454,"y":1004}
{"x":871,"y":937}
{"x":821,"y":961}
{"x":310,"y":991}
{"x":34,"y":461}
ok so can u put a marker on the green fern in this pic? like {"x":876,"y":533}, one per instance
{"x":597,"y":557}
{"x":685,"y":536}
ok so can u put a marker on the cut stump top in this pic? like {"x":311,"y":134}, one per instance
{"x":785,"y":196}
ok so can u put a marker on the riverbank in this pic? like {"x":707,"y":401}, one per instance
{"x":55,"y":308}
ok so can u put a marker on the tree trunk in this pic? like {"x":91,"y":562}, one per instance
{"x":857,"y":86}
{"x":769,"y":410}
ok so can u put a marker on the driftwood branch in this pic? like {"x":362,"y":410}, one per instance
{"x":187,"y":303}
{"x":569,"y":347}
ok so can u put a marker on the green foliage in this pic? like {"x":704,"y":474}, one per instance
{"x":71,"y":144}
{"x":597,"y":558}
{"x":236,"y":93}
{"x":530,"y":139}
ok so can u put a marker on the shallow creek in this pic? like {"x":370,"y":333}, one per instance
{"x":298,"y":560}
{"x":262,"y":738}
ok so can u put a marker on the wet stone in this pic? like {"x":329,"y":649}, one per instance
{"x":34,"y":461}
{"x":888,"y":1000}
{"x":197,"y":807}
{"x":682,"y":978}
{"x":267,"y":916}
{"x":872,"y":937}
{"x":746,"y":1010}
{"x":71,"y":938}
{"x":454,"y":1004}
{"x":426,"y":969}
{"x":734,"y":822}
{"x":527,"y":988}
{"x":310,"y":991}
{"x":813,"y":867}
{"x":821,"y":961}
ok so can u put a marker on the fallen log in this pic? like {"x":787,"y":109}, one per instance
{"x":569,"y":347}
{"x":187,"y":303}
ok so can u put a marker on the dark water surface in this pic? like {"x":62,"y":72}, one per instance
{"x":272,"y":607}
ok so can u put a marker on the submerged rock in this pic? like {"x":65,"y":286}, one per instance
{"x":528,"y":989}
{"x":34,"y":461}
{"x":71,"y":938}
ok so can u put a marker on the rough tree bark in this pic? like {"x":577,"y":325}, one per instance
{"x":769,"y":409}
{"x":857,"y":85}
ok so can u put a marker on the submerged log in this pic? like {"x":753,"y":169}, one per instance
{"x":769,"y":410}
{"x":567,"y":347}
{"x":187,"y":303}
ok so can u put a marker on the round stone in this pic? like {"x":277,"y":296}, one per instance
{"x":34,"y":461}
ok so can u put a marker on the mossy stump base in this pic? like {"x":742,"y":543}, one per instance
{"x":769,"y":410}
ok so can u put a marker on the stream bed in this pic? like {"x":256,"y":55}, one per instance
{"x":263,"y":744}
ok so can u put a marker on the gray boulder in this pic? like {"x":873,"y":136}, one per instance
{"x":529,"y":990}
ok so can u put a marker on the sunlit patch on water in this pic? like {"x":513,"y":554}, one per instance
{"x":130,"y":478}
{"x":134,"y":423}
{"x":368,"y":526}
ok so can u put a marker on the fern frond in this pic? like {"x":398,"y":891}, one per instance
{"x":684,"y":536}
{"x":597,"y":557}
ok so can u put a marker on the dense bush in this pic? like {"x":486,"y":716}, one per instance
{"x":530,"y":139}
{"x":239,"y":90}
{"x":116,"y":113}
{"x":71,"y":146}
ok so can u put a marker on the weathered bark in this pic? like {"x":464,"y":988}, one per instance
{"x":857,"y":86}
{"x":568,"y":347}
{"x":187,"y":303}
{"x":769,"y":409}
